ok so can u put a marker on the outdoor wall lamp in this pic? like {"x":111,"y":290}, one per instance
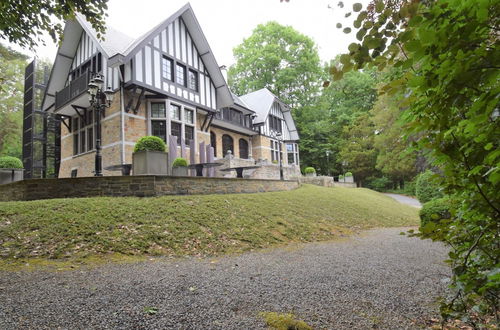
{"x":99,"y":100}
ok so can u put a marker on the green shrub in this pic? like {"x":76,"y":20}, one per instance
{"x":379,"y":184}
{"x":149,"y":143}
{"x":309,"y":170}
{"x":10,"y":162}
{"x":348,"y":174}
{"x":435,"y":211}
{"x":426,"y":187}
{"x":341,"y":177}
{"x":409,"y":188}
{"x":180,"y":162}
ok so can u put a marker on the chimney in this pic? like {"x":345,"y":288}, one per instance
{"x":223,"y":70}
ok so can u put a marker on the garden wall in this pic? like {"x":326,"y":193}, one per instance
{"x":139,"y":186}
{"x":326,"y":181}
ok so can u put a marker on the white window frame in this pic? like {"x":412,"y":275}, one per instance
{"x":169,"y":120}
{"x":79,"y":130}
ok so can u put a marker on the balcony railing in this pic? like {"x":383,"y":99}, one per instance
{"x":75,"y":88}
{"x":235,"y":118}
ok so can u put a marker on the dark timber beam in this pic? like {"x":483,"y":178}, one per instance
{"x":129,"y":104}
{"x":76,"y":107}
{"x":138,"y":104}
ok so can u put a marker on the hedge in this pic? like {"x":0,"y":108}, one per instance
{"x":426,"y":188}
{"x":435,"y":211}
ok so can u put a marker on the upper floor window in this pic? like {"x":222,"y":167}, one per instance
{"x":275,"y":123}
{"x":193,"y":80}
{"x":180,"y":74}
{"x":167,"y":68}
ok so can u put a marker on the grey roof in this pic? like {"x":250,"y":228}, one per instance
{"x":238,"y":101}
{"x":259,"y":101}
{"x":114,"y":41}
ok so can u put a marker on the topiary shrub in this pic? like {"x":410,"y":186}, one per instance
{"x":10,"y":162}
{"x":426,"y":187}
{"x":435,"y":211}
{"x":180,"y":162}
{"x":341,"y":177}
{"x":149,"y":143}
{"x":348,"y":174}
{"x":309,"y":170}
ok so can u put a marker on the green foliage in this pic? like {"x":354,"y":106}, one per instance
{"x":348,"y":174}
{"x":435,"y":211}
{"x":279,"y":58}
{"x":379,"y":184}
{"x":309,"y":170}
{"x":410,"y":188}
{"x":24,"y":22}
{"x":150,"y":143}
{"x":279,"y":321}
{"x":190,"y":225}
{"x":180,"y":162}
{"x":448,"y":53}
{"x":341,"y":177}
{"x":10,"y":162}
{"x":426,"y":187}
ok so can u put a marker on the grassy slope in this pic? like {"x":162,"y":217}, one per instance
{"x":194,"y":225}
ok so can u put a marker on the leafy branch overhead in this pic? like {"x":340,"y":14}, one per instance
{"x":25,"y":21}
{"x":448,"y":55}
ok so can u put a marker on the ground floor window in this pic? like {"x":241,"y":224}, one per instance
{"x":83,"y":128}
{"x":243,"y":144}
{"x":227,"y":144}
{"x":213,"y":142}
{"x":275,"y":151}
{"x":292,"y":150}
{"x":178,"y":121}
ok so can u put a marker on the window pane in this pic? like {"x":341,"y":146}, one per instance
{"x":82,"y":141}
{"x":159,"y":129}
{"x":175,"y":129}
{"x":90,"y":133}
{"x":227,"y":144}
{"x":290,"y":158}
{"x":289,"y":147}
{"x":175,"y":112}
{"x":189,"y":116}
{"x":189,"y":133}
{"x":167,"y":65}
{"x":193,"y":80}
{"x":75,"y":124}
{"x":181,"y":74}
{"x":158,"y":110}
{"x":75,"y":144}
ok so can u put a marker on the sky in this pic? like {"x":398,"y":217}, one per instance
{"x":227,"y":22}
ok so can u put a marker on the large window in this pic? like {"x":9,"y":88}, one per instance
{"x":193,"y":80}
{"x":167,"y":68}
{"x":243,"y":144}
{"x":180,"y":121}
{"x":275,"y":151}
{"x":83,"y":132}
{"x":227,"y":144}
{"x":180,"y":74}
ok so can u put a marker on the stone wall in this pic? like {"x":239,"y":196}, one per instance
{"x":139,"y":186}
{"x":325,"y":181}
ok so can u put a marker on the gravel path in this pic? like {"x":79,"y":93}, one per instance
{"x":378,"y":279}
{"x":405,"y":200}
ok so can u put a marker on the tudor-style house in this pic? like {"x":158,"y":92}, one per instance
{"x":165,"y":83}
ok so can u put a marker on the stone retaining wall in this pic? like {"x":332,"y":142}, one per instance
{"x":139,"y":186}
{"x":326,"y":181}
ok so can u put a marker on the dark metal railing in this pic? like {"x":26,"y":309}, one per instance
{"x":240,"y":120}
{"x":73,"y":90}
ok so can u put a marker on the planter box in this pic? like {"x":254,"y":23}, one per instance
{"x":180,"y":171}
{"x":310,"y":175}
{"x":149,"y":163}
{"x":349,"y":179}
{"x":8,"y":175}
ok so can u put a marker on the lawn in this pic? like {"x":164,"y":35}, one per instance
{"x":190,"y":225}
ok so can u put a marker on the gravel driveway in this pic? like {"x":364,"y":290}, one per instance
{"x":405,"y":200}
{"x":378,"y":279}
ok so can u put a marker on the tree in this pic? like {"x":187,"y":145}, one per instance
{"x":12,"y":65}
{"x":24,"y":21}
{"x":281,"y":59}
{"x":449,"y":52}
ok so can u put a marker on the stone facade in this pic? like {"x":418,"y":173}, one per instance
{"x":139,"y":186}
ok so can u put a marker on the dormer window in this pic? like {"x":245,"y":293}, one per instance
{"x":275,"y":123}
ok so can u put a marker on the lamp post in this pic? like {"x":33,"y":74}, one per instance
{"x":328,"y":161}
{"x":278,"y":136}
{"x":99,"y":100}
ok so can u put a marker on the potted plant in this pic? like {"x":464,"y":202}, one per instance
{"x":341,"y":178}
{"x":310,"y":171}
{"x":11,"y":169}
{"x":180,"y":167}
{"x":149,"y":156}
{"x":348,"y":177}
